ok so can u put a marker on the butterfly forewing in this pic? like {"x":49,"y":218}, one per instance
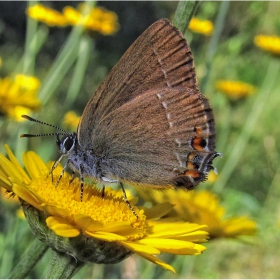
{"x":160,"y":57}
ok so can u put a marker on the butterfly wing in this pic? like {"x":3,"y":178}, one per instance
{"x":162,"y":137}
{"x":160,"y":58}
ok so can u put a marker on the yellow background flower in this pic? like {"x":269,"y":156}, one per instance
{"x":71,"y":120}
{"x":203,"y":207}
{"x":18,"y":95}
{"x":204,"y":27}
{"x":270,"y":44}
{"x":234,"y":89}
{"x":47,"y":15}
{"x":99,"y":19}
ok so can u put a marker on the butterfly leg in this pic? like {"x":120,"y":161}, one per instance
{"x":55,"y":165}
{"x":82,"y":182}
{"x":126,"y":201}
{"x":124,"y":193}
{"x":62,"y":172}
{"x":103,"y":191}
{"x":73,"y":177}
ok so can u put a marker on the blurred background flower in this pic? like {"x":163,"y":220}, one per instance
{"x":204,"y":27}
{"x":99,"y":19}
{"x":203,"y":207}
{"x":235,"y":89}
{"x":47,"y":15}
{"x":18,"y":95}
{"x":270,"y":44}
{"x":71,"y":120}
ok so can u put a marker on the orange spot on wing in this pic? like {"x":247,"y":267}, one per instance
{"x":192,"y":173}
{"x":198,"y":143}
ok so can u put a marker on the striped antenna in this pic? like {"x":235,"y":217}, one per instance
{"x":64,"y":132}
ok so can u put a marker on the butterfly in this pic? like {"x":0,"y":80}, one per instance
{"x":147,"y":124}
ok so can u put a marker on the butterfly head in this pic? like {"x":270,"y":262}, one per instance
{"x":67,"y":144}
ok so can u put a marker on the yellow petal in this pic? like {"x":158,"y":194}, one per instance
{"x":4,"y":181}
{"x":196,"y":236}
{"x":87,"y":223}
{"x":172,"y":246}
{"x":55,"y":211}
{"x":27,"y":195}
{"x":16,"y":163}
{"x":169,"y":230}
{"x":34,"y":165}
{"x":9,"y":170}
{"x":158,"y":210}
{"x":200,"y":248}
{"x":62,"y":227}
{"x":140,"y":248}
{"x":54,"y":220}
{"x":174,"y":219}
{"x":124,"y":228}
{"x":157,"y":261}
{"x":238,"y":226}
{"x":106,"y":236}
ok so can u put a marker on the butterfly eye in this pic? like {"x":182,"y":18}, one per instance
{"x":67,"y":144}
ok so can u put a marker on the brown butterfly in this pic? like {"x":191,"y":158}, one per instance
{"x":147,"y":124}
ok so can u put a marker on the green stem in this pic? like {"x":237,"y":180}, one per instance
{"x":29,"y":55}
{"x":184,"y":13}
{"x":27,"y":62}
{"x":79,"y":71}
{"x":271,"y":202}
{"x":63,"y":266}
{"x":29,"y":260}
{"x":62,"y":64}
{"x":34,"y":39}
{"x":64,"y":60}
{"x":253,"y":118}
{"x":219,"y":25}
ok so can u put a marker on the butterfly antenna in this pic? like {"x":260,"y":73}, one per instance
{"x":64,"y":132}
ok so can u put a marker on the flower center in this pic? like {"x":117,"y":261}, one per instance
{"x":110,"y":209}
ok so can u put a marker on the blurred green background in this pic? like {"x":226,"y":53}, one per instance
{"x":248,"y":130}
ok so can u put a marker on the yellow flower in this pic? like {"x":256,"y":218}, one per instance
{"x":71,"y":120}
{"x":27,"y":82}
{"x":7,"y":196}
{"x":234,"y":89}
{"x":98,"y":229}
{"x":202,"y":207}
{"x":270,"y":44}
{"x":46,"y":15}
{"x":204,"y":27}
{"x":18,"y":95}
{"x":99,"y":19}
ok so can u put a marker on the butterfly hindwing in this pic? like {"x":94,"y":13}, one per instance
{"x":156,"y":137}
